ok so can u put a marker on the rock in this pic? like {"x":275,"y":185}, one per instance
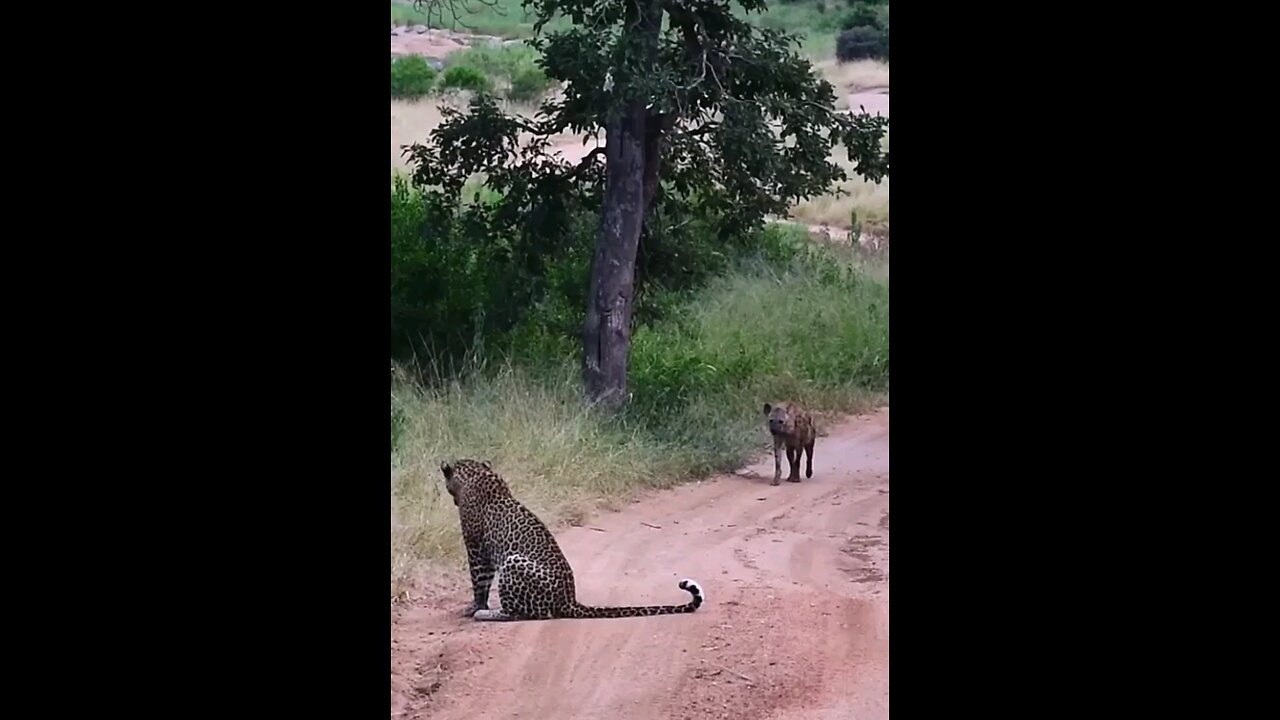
{"x":420,"y":29}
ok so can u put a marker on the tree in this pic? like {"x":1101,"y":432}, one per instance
{"x":707,"y":116}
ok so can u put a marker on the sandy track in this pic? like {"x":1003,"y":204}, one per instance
{"x":874,"y":101}
{"x":796,"y":626}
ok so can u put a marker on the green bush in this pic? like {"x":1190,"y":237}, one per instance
{"x":528,"y":84}
{"x":513,"y":66}
{"x":862,"y":16}
{"x":453,"y":284}
{"x":861,"y":43}
{"x":411,"y":77}
{"x":495,"y":61}
{"x":460,"y":285}
{"x":465,"y":77}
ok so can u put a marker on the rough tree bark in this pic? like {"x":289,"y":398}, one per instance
{"x":630,"y":182}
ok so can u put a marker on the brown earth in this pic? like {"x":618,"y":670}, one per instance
{"x":432,"y":43}
{"x":795,"y":627}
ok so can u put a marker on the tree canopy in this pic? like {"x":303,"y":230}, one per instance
{"x":704,"y":116}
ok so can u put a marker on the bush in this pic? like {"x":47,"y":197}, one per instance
{"x":452,"y":283}
{"x":513,"y":66}
{"x":861,"y":43}
{"x":461,"y":285}
{"x":495,"y":61}
{"x":465,"y":77}
{"x":528,"y":84}
{"x":411,"y":77}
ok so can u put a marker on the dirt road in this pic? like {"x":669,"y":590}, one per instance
{"x":795,"y":627}
{"x":875,"y":101}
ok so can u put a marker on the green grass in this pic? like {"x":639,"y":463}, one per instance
{"x":814,"y":330}
{"x":817,"y":28}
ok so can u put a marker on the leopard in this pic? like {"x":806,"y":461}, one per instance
{"x":505,"y":540}
{"x":792,"y":426}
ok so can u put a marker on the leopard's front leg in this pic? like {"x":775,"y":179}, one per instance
{"x":481,"y":576}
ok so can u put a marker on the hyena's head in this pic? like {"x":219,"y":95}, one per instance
{"x":781,"y":421}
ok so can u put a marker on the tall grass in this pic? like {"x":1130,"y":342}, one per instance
{"x":814,"y":330}
{"x":868,"y":199}
{"x":560,"y":459}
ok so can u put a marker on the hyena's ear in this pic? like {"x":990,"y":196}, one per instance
{"x":767,"y":408}
{"x":447,"y":469}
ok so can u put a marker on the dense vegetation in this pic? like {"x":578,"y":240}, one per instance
{"x":411,"y":77}
{"x":510,"y":71}
{"x":705,"y":116}
{"x":866,"y":33}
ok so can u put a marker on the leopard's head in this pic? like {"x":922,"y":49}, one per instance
{"x":464,"y":478}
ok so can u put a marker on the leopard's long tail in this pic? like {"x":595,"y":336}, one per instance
{"x":693,"y":588}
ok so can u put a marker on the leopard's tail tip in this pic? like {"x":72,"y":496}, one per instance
{"x":693,"y":588}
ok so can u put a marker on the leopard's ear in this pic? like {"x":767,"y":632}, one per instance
{"x":487,"y":465}
{"x":767,"y":408}
{"x":447,"y":469}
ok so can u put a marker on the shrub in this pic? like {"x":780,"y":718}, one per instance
{"x":528,"y":84}
{"x":460,"y":283}
{"x":861,"y":43}
{"x":465,"y":77}
{"x":513,"y":66}
{"x":495,"y":60}
{"x":411,"y":77}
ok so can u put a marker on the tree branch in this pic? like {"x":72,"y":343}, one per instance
{"x":587,"y":161}
{"x":436,"y":8}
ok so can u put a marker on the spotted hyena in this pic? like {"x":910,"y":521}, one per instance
{"x":790,"y":425}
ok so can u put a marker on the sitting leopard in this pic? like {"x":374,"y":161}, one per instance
{"x":504,"y":538}
{"x":790,"y":425}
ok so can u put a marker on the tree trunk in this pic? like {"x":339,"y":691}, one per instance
{"x":606,"y":333}
{"x":655,"y":141}
{"x":655,"y":137}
